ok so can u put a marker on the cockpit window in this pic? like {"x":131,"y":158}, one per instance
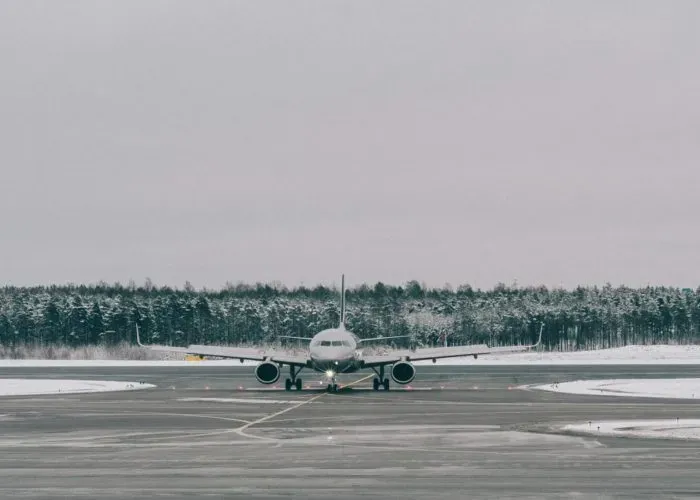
{"x":333,"y":343}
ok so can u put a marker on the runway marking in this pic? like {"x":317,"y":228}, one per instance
{"x":240,"y":400}
{"x":176,"y":434}
{"x":360,"y":380}
{"x":241,"y":430}
{"x":381,"y":416}
{"x":193,"y":415}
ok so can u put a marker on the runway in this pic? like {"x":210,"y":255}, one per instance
{"x":462,"y":432}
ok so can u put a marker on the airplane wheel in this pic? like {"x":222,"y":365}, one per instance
{"x":335,"y":387}
{"x":298,"y":384}
{"x":386,"y":384}
{"x":375,"y":384}
{"x":288,"y":385}
{"x":329,"y":388}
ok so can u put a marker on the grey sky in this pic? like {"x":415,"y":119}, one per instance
{"x":444,"y":141}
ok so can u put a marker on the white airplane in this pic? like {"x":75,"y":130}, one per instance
{"x":336,"y":350}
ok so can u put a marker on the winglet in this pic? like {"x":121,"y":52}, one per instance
{"x":539,"y":340}
{"x":138,"y":337}
{"x":342,"y":302}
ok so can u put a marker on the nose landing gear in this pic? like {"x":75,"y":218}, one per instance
{"x":332,"y":381}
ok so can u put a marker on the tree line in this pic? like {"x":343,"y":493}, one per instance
{"x":242,"y":314}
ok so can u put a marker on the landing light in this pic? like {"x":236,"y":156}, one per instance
{"x":330,"y":373}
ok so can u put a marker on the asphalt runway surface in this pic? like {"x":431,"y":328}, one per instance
{"x":461,"y":432}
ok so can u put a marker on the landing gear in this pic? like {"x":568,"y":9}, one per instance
{"x":333,"y":385}
{"x":293,"y":381}
{"x":384,"y":384}
{"x":380,"y":380}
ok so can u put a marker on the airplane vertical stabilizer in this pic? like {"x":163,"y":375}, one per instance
{"x":342,"y":302}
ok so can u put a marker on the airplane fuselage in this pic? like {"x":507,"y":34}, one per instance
{"x":335,"y":351}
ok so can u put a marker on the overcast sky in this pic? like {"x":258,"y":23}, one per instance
{"x":478,"y":142}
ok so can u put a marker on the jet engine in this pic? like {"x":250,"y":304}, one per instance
{"x":403,"y":372}
{"x":267,"y":373}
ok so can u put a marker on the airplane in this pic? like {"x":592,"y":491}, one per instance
{"x":336,"y":350}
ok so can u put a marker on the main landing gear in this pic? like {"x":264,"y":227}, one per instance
{"x":376,"y":383}
{"x":380,"y":379}
{"x":293,"y":381}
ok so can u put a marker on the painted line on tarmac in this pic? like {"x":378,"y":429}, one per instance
{"x":241,"y":430}
{"x":240,"y":400}
{"x":358,"y":381}
{"x":184,"y":433}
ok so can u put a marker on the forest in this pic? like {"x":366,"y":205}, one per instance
{"x":255,"y":315}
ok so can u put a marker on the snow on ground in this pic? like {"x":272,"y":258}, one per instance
{"x":29,"y":387}
{"x":109,"y":363}
{"x":664,"y":429}
{"x":634,"y":354}
{"x":683,"y":388}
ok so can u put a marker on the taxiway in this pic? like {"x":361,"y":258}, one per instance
{"x":460,"y":432}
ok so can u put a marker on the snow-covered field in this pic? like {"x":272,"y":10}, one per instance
{"x":109,"y":363}
{"x":30,"y":387}
{"x":632,"y":354}
{"x":659,"y":354}
{"x":682,"y":388}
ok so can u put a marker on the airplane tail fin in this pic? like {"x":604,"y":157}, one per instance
{"x":342,"y":301}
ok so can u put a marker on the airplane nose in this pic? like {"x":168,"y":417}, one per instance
{"x":330,"y":355}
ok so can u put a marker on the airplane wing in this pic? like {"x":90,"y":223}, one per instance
{"x":444,"y":352}
{"x":383,"y":338}
{"x":242,"y":353}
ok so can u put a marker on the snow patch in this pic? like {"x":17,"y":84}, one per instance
{"x":628,"y":355}
{"x":680,"y":388}
{"x":114,"y":363}
{"x":661,"y":429}
{"x":673,"y":428}
{"x":30,"y":387}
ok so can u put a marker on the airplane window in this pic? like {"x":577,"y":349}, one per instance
{"x":337,"y":342}
{"x":325,"y":342}
{"x":346,"y":343}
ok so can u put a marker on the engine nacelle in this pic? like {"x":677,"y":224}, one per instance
{"x":267,"y":373}
{"x":403,"y":372}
